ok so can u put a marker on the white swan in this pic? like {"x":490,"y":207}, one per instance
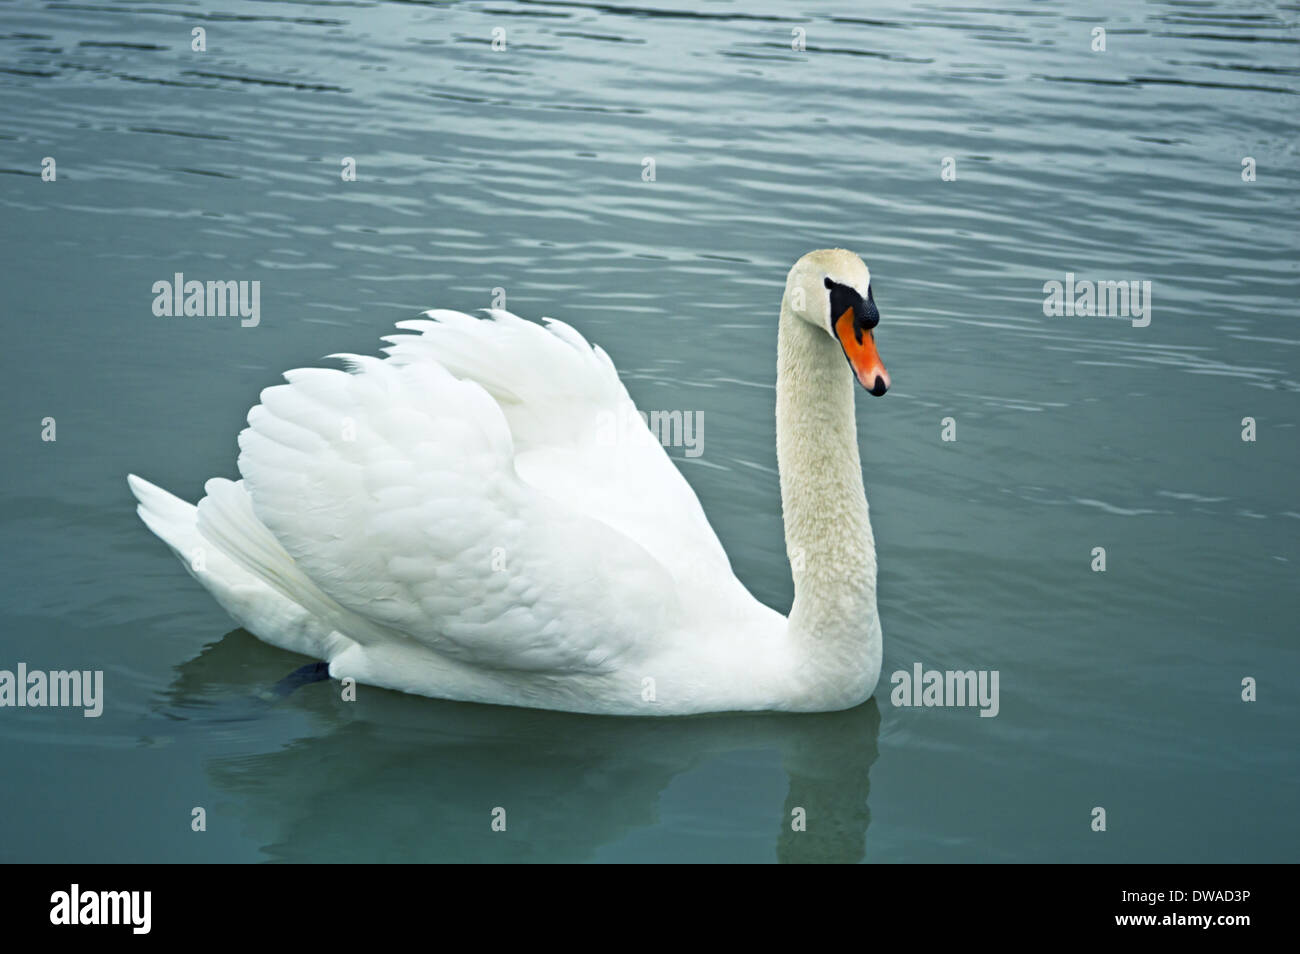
{"x":483,"y":516}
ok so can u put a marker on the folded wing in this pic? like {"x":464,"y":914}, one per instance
{"x":458,"y":494}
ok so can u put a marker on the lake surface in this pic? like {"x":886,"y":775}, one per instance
{"x":524,"y":169}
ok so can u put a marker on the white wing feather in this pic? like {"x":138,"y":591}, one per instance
{"x":482,"y":493}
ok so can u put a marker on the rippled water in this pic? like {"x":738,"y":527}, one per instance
{"x":522,"y":169}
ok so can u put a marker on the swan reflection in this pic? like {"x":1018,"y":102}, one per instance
{"x":398,"y":778}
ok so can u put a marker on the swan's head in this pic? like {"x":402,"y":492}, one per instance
{"x":831,"y":289}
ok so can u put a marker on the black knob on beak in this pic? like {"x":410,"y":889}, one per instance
{"x":866,"y":314}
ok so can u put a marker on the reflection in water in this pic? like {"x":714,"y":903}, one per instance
{"x":570,"y":783}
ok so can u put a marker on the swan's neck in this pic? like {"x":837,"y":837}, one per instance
{"x":833,"y":622}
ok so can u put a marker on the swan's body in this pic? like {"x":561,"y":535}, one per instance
{"x":483,"y":516}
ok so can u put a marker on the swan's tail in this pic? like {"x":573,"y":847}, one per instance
{"x":238,"y":560}
{"x":221,"y":536}
{"x":172,"y":520}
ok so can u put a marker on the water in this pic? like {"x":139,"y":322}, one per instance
{"x":523,"y":170}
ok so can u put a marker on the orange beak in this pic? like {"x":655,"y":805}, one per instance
{"x":864,"y":359}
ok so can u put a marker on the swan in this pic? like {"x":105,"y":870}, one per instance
{"x":482,"y":515}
